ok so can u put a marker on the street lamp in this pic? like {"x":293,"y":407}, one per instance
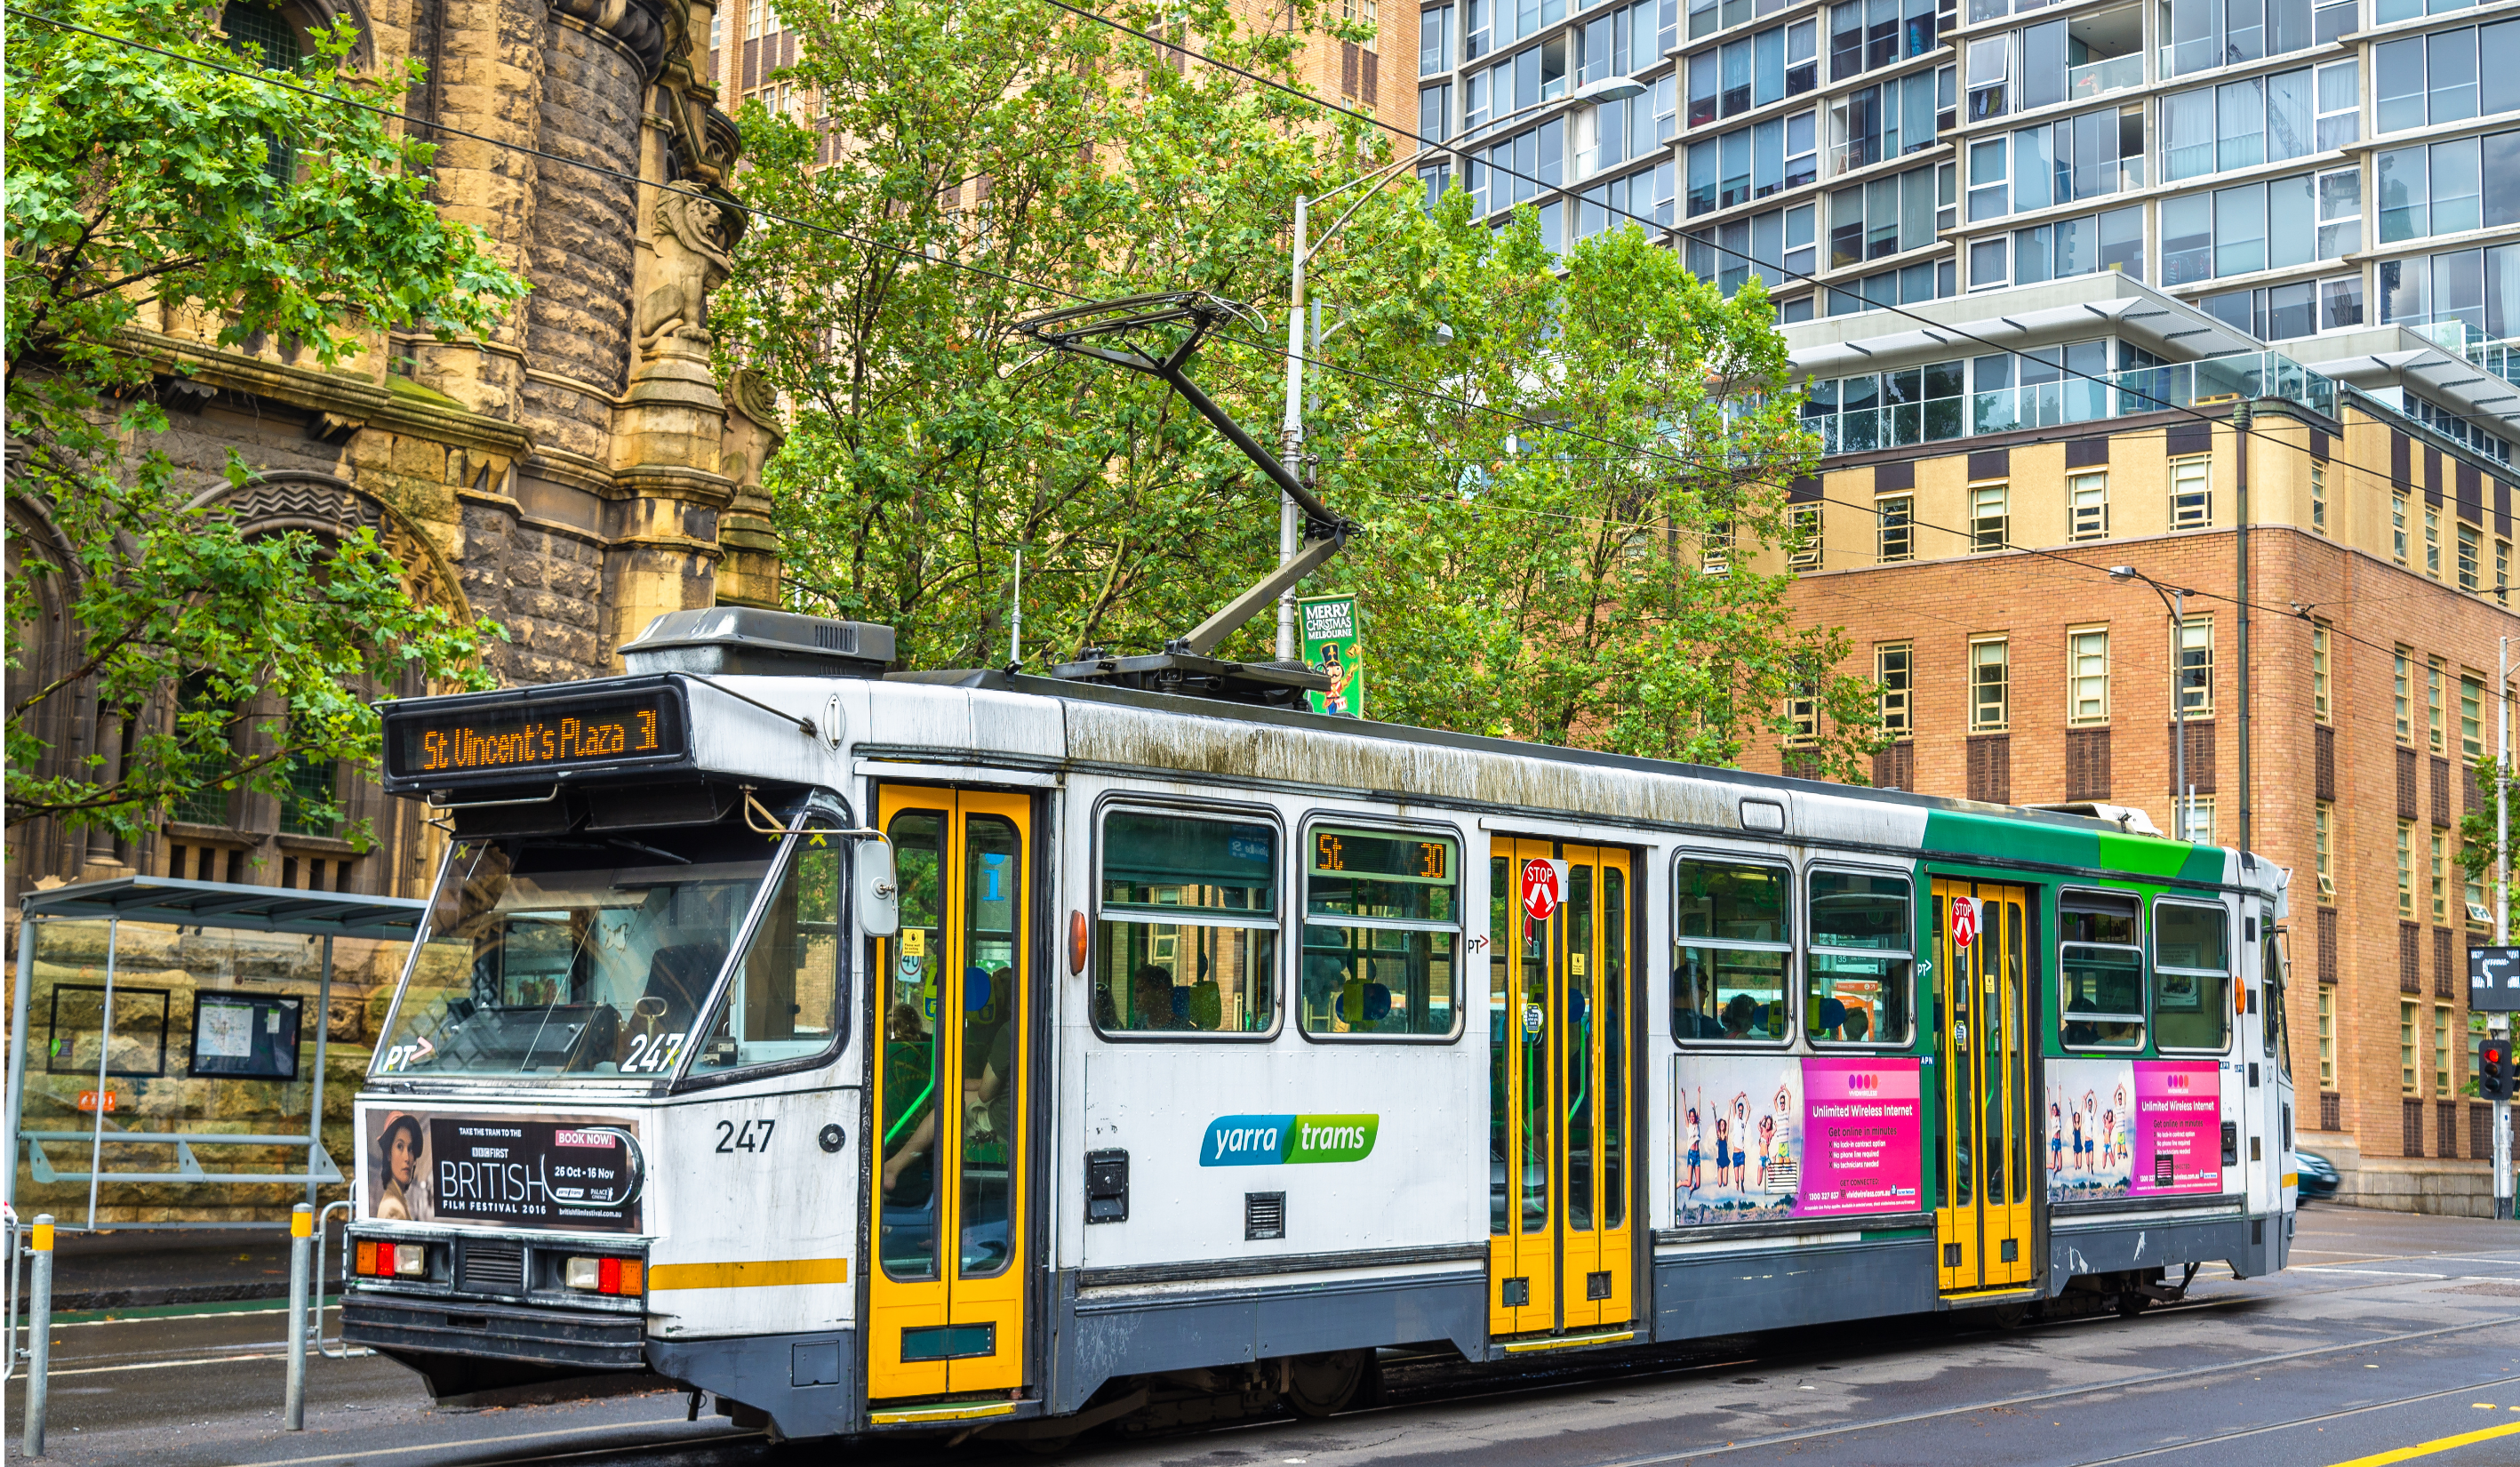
{"x":1289,"y":522}
{"x":2174,"y":599}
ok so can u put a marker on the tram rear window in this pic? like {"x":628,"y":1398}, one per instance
{"x":1381,"y":934}
{"x":1188,"y":940}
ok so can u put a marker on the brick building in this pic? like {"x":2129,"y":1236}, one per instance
{"x":1964,"y":540}
{"x":575,"y":475}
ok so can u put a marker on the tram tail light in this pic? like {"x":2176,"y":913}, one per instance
{"x":365,"y":1266}
{"x":605,"y":1276}
{"x":372,"y":1259}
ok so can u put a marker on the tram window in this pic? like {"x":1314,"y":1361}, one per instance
{"x":1188,"y":937}
{"x":2101,"y":970}
{"x":1730,"y":951}
{"x":2190,"y":975}
{"x":1858,"y":981}
{"x":567,"y":955}
{"x":2272,"y":966}
{"x":1382,"y":934}
{"x":784,"y":1001}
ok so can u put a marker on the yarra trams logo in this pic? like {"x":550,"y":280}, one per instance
{"x":1287,"y":1140}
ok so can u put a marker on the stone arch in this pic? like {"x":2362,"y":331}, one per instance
{"x":327,"y":504}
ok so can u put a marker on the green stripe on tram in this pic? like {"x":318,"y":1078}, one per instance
{"x":1955,"y":833}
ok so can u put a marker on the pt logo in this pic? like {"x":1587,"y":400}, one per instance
{"x":1287,"y":1140}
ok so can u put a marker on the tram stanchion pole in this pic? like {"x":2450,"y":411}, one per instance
{"x":40,"y":1335}
{"x":302,"y":1220}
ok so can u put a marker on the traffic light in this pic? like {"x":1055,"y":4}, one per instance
{"x":2493,"y":1068}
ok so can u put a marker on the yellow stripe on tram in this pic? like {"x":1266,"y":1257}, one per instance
{"x":753,"y":1274}
{"x":2428,"y":1448}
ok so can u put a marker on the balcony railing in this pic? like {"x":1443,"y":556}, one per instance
{"x":2096,"y":78}
{"x":1880,"y":424}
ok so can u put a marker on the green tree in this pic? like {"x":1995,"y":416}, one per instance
{"x":150,"y":193}
{"x":1538,"y":478}
{"x":2476,"y":826}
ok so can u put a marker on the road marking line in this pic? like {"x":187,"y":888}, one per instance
{"x":461,"y":1442}
{"x":2433,"y":1447}
{"x":2382,"y":1272}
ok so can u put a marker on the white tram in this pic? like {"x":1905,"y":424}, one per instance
{"x":983,"y":1050}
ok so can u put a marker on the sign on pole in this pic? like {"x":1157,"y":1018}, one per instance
{"x":1330,"y":647}
{"x":2494,"y":980}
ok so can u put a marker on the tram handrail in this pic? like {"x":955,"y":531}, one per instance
{"x":315,"y":1321}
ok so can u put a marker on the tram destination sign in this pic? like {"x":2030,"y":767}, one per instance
{"x":475,"y":739}
{"x":2494,"y":980}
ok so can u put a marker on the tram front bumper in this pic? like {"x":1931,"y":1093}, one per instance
{"x":582,"y":1340}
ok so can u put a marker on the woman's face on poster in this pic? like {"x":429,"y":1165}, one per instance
{"x":402,"y":1158}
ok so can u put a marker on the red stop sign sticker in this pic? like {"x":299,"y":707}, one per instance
{"x":1964,"y":921}
{"x":1540,"y":893}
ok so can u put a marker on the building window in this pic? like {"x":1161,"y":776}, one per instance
{"x":2445,"y":1056}
{"x":2471,"y":717}
{"x":1436,"y":41}
{"x":1989,"y":528}
{"x":2323,"y":844}
{"x":2200,"y":820}
{"x":2320,"y":706}
{"x":2471,"y":551}
{"x":2435,"y":674}
{"x":2318,"y":497}
{"x":2434,"y":78}
{"x":1715,"y":552}
{"x":2087,"y":698}
{"x":310,"y":787}
{"x":2432,"y":542}
{"x":2406,"y":1055}
{"x":2402,"y":674}
{"x":2407,"y":869}
{"x":1990,"y":686}
{"x":2088,"y":495}
{"x":1897,"y":528}
{"x":2398,"y":528}
{"x":1894,"y":667}
{"x":2191,"y":493}
{"x":1801,"y":714}
{"x":2479,"y":915}
{"x":2441,"y":878}
{"x":2502,"y":569}
{"x":1804,"y":554}
{"x":2197,"y":665}
{"x":2326,"y":1038}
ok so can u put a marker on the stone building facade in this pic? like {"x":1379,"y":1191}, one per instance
{"x":575,"y":475}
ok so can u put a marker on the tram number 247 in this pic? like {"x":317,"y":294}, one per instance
{"x":752,"y":1135}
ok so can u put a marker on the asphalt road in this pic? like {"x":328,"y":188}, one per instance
{"x":2390,"y":1333}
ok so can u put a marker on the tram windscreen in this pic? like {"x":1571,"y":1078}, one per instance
{"x":581,"y":955}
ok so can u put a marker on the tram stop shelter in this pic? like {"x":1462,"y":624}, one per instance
{"x":157,"y":1023}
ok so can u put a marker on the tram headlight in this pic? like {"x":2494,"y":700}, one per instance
{"x":411,"y":1260}
{"x":605,"y":1276}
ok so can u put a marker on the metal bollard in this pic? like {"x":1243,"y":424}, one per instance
{"x":39,"y":1334}
{"x":301,"y":1229}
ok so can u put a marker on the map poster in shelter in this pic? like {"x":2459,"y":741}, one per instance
{"x":573,"y":1172}
{"x":1330,"y":647}
{"x":1777,"y":1136}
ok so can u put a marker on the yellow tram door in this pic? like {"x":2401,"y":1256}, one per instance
{"x":945,"y":1309}
{"x":1985,"y":1161}
{"x":1559,"y":1095}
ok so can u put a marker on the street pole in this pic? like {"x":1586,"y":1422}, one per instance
{"x":1289,"y":527}
{"x":2178,"y":709}
{"x":2240,"y":416}
{"x":301,"y":1219}
{"x":2500,"y":1025}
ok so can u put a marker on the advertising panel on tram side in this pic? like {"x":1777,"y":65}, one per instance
{"x":2129,"y":1128}
{"x":572,"y":1173}
{"x":1775,"y":1136}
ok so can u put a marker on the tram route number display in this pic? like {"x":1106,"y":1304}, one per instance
{"x":572,"y":1171}
{"x":551,"y":734}
{"x":2133,"y":1128}
{"x":1769,"y":1137}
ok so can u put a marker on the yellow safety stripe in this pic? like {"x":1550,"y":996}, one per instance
{"x":957,"y":1412}
{"x":751,"y":1273}
{"x":1570,"y":1342}
{"x":2428,"y":1448}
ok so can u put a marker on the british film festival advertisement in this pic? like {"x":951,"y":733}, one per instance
{"x":522,"y":1170}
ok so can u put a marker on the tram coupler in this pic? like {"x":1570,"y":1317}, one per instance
{"x":2160,"y":1293}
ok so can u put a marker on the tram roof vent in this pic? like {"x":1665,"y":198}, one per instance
{"x":744,"y":640}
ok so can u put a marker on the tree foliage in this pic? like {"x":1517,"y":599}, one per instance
{"x":1541,"y":450}
{"x":151,"y":194}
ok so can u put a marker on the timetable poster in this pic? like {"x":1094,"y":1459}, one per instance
{"x":1778,"y":1136}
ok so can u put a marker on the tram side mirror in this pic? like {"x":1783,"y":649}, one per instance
{"x":878,"y":889}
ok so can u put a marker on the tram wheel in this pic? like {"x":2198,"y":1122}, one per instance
{"x":2012,"y":1315}
{"x":2132,"y":1304}
{"x":1323,"y":1385}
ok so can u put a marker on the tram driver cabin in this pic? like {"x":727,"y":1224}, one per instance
{"x":881,"y":1050}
